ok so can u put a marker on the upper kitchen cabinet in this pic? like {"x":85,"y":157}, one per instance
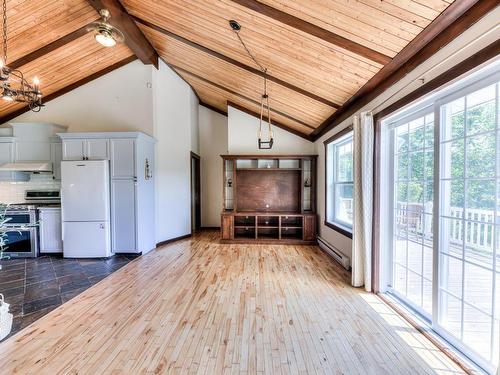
{"x":96,"y":149}
{"x":7,"y":155}
{"x":123,"y":158}
{"x":29,"y":147}
{"x":85,"y":149}
{"x":72,"y":149}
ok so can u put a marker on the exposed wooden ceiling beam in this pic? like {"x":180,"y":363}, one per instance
{"x":69,"y":88}
{"x":454,"y":20}
{"x":314,"y":30}
{"x":274,"y":122}
{"x":134,"y":38}
{"x":178,"y":68}
{"x":236,"y":63}
{"x":68,"y":38}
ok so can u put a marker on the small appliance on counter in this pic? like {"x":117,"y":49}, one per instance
{"x":23,"y":225}
{"x":85,"y":199}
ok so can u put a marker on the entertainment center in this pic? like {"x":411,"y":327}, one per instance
{"x":269,"y":199}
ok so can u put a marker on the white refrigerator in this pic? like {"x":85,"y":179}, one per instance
{"x":85,"y":201}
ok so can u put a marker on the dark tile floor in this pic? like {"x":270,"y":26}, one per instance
{"x":33,"y":287}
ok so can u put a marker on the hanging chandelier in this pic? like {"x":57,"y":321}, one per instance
{"x":13,"y":86}
{"x":264,"y":99}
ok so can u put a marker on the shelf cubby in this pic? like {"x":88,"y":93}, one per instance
{"x":291,"y":233}
{"x":244,"y":220}
{"x":244,"y":232}
{"x":291,"y":221}
{"x":268,"y":221}
{"x":267,"y":233}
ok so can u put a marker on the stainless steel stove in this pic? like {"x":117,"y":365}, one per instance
{"x":22,"y":224}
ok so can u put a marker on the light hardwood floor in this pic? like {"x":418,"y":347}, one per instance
{"x":197,"y":306}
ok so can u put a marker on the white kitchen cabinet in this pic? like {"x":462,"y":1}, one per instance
{"x":73,"y":149}
{"x":32,"y":151}
{"x":122,"y":158}
{"x":7,"y":155}
{"x":85,"y":149}
{"x":96,"y":149}
{"x":50,"y":230}
{"x":123,"y":216}
{"x":56,"y":157}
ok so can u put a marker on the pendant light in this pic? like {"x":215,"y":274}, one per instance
{"x":13,"y":86}
{"x":264,"y":99}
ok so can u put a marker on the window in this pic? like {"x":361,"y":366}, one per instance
{"x":440,"y":189}
{"x":339,"y":182}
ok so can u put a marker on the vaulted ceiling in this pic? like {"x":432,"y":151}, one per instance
{"x":323,"y":57}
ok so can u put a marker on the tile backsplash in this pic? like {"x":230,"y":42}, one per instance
{"x":13,"y":192}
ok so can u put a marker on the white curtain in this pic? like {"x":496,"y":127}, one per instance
{"x":363,"y":200}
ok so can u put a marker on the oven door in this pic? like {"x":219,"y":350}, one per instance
{"x":21,"y":243}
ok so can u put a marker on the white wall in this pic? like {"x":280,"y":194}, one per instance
{"x":242,"y":137}
{"x":213,"y":144}
{"x":472,"y":40}
{"x":118,"y":101}
{"x":175,"y":124}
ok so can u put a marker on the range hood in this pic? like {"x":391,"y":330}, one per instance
{"x":33,"y":167}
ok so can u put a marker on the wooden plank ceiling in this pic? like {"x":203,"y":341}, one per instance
{"x":319,"y":54}
{"x":314,"y":68}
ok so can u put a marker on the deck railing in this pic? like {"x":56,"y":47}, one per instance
{"x":477,"y":229}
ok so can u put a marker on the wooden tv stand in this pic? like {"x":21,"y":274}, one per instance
{"x":269,"y":199}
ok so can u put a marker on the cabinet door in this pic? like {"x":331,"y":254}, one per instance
{"x":50,"y":231}
{"x":226,"y":227}
{"x":73,"y":149}
{"x":123,"y":216}
{"x":55,"y":158}
{"x":6,"y":152}
{"x":32,"y":151}
{"x":97,"y":149}
{"x":122,"y":158}
{"x":309,"y":228}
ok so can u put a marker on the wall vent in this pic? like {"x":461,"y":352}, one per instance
{"x":334,"y":253}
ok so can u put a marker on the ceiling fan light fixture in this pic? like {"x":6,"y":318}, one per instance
{"x":105,"y":38}
{"x":105,"y":33}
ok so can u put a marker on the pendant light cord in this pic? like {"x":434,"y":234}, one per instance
{"x":5,"y":32}
{"x":265,"y":97}
{"x":262,"y":69}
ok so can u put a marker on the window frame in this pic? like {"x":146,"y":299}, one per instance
{"x":340,"y":227}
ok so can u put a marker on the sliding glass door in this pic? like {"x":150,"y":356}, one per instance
{"x":441,"y":164}
{"x":469,"y":278}
{"x":413,"y":171}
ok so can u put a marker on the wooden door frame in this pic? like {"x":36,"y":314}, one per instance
{"x":195,"y":219}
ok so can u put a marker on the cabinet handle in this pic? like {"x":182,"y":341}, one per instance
{"x":147,"y":170}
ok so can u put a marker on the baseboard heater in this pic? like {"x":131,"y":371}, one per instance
{"x":334,"y":253}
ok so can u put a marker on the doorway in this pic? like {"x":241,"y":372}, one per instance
{"x":195,"y":193}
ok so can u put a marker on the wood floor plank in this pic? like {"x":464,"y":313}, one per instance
{"x":200,"y":307}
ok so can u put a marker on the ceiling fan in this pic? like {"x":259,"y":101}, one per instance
{"x":105,"y":33}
